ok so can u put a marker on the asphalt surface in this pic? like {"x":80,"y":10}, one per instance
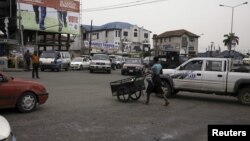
{"x":81,"y":108}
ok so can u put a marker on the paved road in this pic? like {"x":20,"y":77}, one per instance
{"x":80,"y":108}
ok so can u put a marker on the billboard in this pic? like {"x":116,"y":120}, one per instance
{"x":50,"y":15}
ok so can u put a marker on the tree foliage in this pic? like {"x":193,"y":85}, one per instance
{"x":229,"y":39}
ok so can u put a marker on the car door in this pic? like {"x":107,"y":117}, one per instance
{"x":189,"y":76}
{"x":214,"y":78}
{"x":7,"y":92}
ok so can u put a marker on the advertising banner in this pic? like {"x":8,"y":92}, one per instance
{"x":50,"y":15}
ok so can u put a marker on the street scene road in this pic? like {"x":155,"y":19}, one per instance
{"x":81,"y":108}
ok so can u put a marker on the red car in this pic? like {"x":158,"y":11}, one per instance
{"x":24,"y":95}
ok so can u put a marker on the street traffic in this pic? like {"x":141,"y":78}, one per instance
{"x":81,"y":107}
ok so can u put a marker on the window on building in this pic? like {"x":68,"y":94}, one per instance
{"x":125,"y":33}
{"x":97,"y":35}
{"x":184,"y":42}
{"x":169,"y":39}
{"x":191,"y":48}
{"x":135,"y":33}
{"x":145,"y":35}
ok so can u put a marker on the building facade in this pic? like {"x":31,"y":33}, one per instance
{"x":180,"y":42}
{"x":116,"y":37}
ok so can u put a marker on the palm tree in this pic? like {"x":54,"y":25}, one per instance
{"x":230,"y":38}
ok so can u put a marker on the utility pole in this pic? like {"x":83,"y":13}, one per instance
{"x":90,"y":34}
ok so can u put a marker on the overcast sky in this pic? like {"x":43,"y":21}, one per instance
{"x":197,"y":16}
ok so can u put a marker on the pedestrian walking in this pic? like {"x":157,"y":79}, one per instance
{"x":35,"y":64}
{"x":27,"y":60}
{"x":155,"y":85}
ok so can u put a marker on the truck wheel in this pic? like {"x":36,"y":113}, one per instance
{"x":244,"y":96}
{"x":166,"y":88}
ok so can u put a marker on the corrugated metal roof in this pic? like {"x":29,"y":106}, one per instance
{"x":110,"y":26}
{"x":176,"y":33}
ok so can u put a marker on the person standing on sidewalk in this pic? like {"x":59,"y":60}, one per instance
{"x":27,"y":60}
{"x":35,"y":64}
{"x":155,"y":85}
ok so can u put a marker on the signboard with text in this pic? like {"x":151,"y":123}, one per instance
{"x":50,"y":15}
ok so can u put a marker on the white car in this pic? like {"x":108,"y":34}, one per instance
{"x":5,"y":130}
{"x":100,"y":62}
{"x":80,"y":63}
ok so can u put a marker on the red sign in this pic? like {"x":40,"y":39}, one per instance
{"x":60,"y":5}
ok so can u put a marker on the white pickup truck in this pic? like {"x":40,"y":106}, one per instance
{"x":211,"y":76}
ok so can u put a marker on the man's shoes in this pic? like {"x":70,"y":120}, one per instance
{"x":146,"y":102}
{"x":166,"y":103}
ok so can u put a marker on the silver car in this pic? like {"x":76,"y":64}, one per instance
{"x":100,"y":62}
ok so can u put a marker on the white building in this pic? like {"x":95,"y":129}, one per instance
{"x":117,"y":37}
{"x":177,"y":41}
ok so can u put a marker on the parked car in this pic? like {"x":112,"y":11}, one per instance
{"x":211,"y":76}
{"x":133,"y":66}
{"x":79,"y":63}
{"x":117,"y":61}
{"x":24,"y":95}
{"x":55,"y":60}
{"x":5,"y":130}
{"x":100,"y":62}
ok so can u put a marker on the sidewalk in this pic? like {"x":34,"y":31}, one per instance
{"x":12,"y":70}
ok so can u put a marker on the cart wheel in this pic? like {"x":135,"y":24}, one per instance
{"x":136,"y":95}
{"x":123,"y":94}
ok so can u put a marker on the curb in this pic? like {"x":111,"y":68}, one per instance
{"x":12,"y":70}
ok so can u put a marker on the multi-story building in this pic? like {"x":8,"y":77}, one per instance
{"x":117,"y":37}
{"x":180,"y":42}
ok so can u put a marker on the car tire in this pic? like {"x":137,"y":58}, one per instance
{"x":244,"y":96}
{"x":90,"y":70}
{"x":123,"y":73}
{"x":42,"y":69}
{"x":109,"y":71}
{"x":26,"y":103}
{"x":81,"y":67}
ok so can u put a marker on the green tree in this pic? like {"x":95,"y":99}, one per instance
{"x":230,"y":38}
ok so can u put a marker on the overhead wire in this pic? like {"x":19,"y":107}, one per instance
{"x":123,"y":5}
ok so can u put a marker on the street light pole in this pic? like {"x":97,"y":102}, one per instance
{"x":232,"y":7}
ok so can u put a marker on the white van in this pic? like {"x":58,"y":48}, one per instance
{"x":55,"y":60}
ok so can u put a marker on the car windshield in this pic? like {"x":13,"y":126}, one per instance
{"x":133,"y":61}
{"x":77,"y":60}
{"x":100,"y":57}
{"x":48,"y":55}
